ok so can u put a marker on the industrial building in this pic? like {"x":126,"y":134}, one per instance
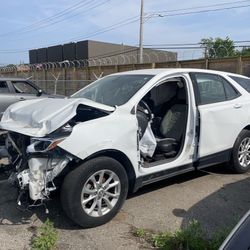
{"x":98,"y":53}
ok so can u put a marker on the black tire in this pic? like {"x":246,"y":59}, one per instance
{"x":71,"y":191}
{"x":235,"y":163}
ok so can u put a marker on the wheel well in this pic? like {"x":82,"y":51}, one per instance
{"x":247,"y":127}
{"x":122,"y":159}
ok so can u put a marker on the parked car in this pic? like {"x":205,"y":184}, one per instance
{"x":17,"y":89}
{"x":239,"y":237}
{"x":125,"y":131}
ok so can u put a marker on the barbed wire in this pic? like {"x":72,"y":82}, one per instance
{"x":117,"y":59}
{"x":155,"y":55}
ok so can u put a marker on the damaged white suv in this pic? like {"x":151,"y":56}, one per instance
{"x":124,"y":131}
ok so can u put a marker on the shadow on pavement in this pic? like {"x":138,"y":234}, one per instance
{"x":219,"y":210}
{"x":213,"y":211}
{"x":219,"y":169}
{"x":11,"y":214}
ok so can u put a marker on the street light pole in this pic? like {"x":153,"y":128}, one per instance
{"x":141,"y":32}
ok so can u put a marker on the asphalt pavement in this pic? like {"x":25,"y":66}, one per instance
{"x":215,"y":197}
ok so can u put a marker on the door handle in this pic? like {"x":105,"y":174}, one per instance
{"x":237,"y":106}
{"x":21,"y":99}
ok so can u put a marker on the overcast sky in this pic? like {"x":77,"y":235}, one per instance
{"x":90,"y":16}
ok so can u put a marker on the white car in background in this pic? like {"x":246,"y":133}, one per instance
{"x":125,"y":131}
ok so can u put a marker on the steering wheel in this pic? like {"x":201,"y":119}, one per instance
{"x":144,"y":108}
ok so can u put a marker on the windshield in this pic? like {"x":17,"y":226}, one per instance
{"x":113,"y":90}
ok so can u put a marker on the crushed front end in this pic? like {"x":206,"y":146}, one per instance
{"x":34,"y":130}
{"x":37,"y":165}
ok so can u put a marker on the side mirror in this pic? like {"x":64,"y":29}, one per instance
{"x":39,"y":93}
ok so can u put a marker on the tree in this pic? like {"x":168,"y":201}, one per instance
{"x":218,"y":47}
{"x":245,"y":52}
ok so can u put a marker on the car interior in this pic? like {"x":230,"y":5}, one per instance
{"x":164,"y":110}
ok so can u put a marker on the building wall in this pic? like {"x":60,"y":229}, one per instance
{"x":81,"y":50}
{"x":98,"y":53}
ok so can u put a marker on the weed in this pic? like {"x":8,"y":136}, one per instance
{"x":190,"y":238}
{"x":140,"y":232}
{"x":46,"y":237}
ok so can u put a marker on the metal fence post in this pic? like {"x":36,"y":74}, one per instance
{"x":239,"y":65}
{"x":64,"y":81}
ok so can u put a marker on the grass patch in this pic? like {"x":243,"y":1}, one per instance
{"x":140,"y":232}
{"x":46,"y":237}
{"x":190,"y":238}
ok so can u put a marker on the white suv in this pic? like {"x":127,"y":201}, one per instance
{"x":124,"y":131}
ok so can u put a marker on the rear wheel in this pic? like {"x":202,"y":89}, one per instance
{"x":93,"y":193}
{"x":241,"y":153}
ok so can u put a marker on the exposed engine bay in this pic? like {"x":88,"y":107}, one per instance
{"x":37,"y":165}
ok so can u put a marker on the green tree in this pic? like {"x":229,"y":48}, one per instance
{"x":218,"y":47}
{"x":245,"y":52}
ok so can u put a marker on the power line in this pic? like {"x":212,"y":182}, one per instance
{"x":150,"y":46}
{"x":171,"y":44}
{"x":184,"y":44}
{"x":202,"y":11}
{"x":43,"y":23}
{"x":103,"y":30}
{"x":66,"y":18}
{"x":36,"y":25}
{"x":198,"y":7}
{"x":100,"y":31}
{"x":115,"y":53}
{"x":134,"y":19}
{"x":129,"y":21}
{"x":190,"y":47}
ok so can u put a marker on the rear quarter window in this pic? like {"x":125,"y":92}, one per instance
{"x":243,"y":82}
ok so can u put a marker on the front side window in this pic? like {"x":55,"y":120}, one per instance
{"x":213,"y":88}
{"x":113,"y":90}
{"x":243,"y":82}
{"x":24,"y":87}
{"x":4,"y":87}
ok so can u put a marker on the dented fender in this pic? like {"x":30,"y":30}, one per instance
{"x":118,"y":130}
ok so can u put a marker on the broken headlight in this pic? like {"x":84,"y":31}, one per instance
{"x":43,"y":144}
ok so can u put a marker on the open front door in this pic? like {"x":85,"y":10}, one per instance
{"x":173,"y":126}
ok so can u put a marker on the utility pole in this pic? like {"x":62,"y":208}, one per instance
{"x":141,"y":32}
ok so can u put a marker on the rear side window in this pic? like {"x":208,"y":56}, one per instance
{"x":213,"y":88}
{"x":231,"y":93}
{"x":4,"y":87}
{"x":243,"y":82}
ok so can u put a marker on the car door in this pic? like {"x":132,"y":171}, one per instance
{"x":24,"y":90}
{"x":183,"y":162}
{"x":6,"y":96}
{"x":220,"y":113}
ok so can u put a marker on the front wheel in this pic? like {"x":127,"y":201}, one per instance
{"x":93,"y":193}
{"x":241,"y":153}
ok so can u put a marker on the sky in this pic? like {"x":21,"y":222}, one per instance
{"x":30,"y":24}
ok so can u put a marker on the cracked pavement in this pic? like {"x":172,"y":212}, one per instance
{"x":216,"y":197}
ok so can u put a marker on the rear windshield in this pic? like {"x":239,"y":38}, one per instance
{"x":243,"y":82}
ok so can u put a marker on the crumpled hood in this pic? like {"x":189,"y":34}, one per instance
{"x":40,"y":117}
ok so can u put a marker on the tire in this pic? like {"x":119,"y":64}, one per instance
{"x":91,"y":180}
{"x":240,"y":150}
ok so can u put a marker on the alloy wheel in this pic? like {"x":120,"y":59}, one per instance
{"x":100,"y":193}
{"x":244,"y":153}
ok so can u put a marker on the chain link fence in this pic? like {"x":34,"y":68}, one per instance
{"x":61,"y":87}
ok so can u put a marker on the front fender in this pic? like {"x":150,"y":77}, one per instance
{"x":117,"y":131}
